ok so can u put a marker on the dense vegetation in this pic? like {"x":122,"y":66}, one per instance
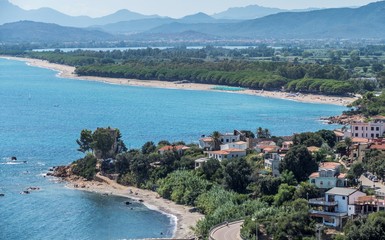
{"x":295,"y":69}
{"x":223,"y":191}
{"x":369,"y":105}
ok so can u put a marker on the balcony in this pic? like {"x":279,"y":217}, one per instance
{"x":315,"y":213}
{"x":322,"y":202}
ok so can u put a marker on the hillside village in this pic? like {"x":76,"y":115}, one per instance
{"x":340,"y":173}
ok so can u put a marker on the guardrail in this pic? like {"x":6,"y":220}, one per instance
{"x":221,"y":225}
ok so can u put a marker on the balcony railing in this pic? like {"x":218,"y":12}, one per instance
{"x":322,"y":202}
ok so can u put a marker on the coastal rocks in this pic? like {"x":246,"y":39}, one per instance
{"x":343,"y":119}
{"x":61,"y":172}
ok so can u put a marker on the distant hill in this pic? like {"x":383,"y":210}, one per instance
{"x":27,"y":31}
{"x":252,"y":12}
{"x":12,"y":13}
{"x":248,"y":12}
{"x":364,"y":22}
{"x":144,"y":25}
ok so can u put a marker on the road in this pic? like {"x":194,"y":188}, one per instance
{"x":230,"y":232}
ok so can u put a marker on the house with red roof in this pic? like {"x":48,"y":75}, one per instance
{"x":328,"y":176}
{"x":227,"y":154}
{"x":179,"y":149}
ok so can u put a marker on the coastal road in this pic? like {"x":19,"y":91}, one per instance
{"x":230,"y":232}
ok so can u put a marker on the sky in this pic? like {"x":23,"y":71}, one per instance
{"x":174,"y":8}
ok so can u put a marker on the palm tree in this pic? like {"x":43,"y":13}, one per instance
{"x":266,"y":133}
{"x":216,"y":136}
{"x":260,"y":133}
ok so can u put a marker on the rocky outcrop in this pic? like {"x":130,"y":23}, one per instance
{"x":343,"y":119}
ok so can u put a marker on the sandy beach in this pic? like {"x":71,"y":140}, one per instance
{"x":68,"y":72}
{"x":184,"y":219}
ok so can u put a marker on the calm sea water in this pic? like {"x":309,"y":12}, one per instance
{"x":41,"y":116}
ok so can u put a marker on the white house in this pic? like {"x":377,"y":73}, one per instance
{"x":206,"y":143}
{"x":179,"y":149}
{"x":200,"y":161}
{"x":335,"y":205}
{"x":227,"y":154}
{"x":237,"y":145}
{"x":369,"y":130}
{"x":229,"y":138}
{"x":328,"y":176}
{"x":272,"y":161}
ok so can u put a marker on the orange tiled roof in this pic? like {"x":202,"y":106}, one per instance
{"x":342,"y":176}
{"x":378,"y":146}
{"x":314,"y":175}
{"x":360,"y":140}
{"x":339,"y":134}
{"x":313,"y":149}
{"x":222,"y":152}
{"x":170,"y":148}
{"x":329,"y":165}
{"x":234,"y":150}
{"x":207,"y":139}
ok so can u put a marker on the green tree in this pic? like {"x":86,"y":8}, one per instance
{"x":85,"y":140}
{"x":85,"y":167}
{"x":212,"y":170}
{"x":285,"y":194}
{"x":366,"y":227}
{"x":148,"y":148}
{"x":102,"y":141}
{"x":237,"y":175}
{"x":295,"y":157}
{"x":328,"y":136}
{"x":216,"y":140}
{"x":288,"y":178}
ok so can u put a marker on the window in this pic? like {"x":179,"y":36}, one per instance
{"x":377,"y":128}
{"x":343,"y":198}
{"x":377,"y":135}
{"x":356,"y":128}
{"x":372,"y":128}
{"x":356,"y":134}
{"x":372,"y":135}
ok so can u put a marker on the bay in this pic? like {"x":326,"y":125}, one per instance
{"x":42,"y":115}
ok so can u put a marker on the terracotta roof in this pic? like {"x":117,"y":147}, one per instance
{"x":240,"y":142}
{"x":378,"y":146}
{"x":269,"y":143}
{"x":378,"y":117}
{"x":207,"y":139}
{"x":222,"y":152}
{"x":339,"y":134}
{"x":313,"y":149}
{"x":360,"y":140}
{"x":329,"y":165}
{"x":314,"y":175}
{"x":270,"y":149}
{"x":171,"y":148}
{"x":234,"y":150}
{"x":342,"y":176}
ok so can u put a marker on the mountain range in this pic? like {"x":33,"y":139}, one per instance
{"x":349,"y":23}
{"x":12,"y":13}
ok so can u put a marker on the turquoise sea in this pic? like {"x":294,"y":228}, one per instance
{"x":42,"y":115}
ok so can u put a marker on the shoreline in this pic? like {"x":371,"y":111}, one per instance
{"x":65,"y":71}
{"x":180,"y":217}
